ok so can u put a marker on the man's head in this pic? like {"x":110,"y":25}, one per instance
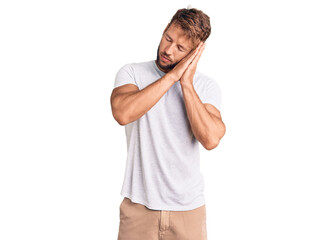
{"x":186,"y":29}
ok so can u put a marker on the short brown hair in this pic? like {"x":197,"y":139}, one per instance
{"x":193,"y":22}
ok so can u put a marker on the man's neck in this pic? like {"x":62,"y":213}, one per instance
{"x":165,"y":71}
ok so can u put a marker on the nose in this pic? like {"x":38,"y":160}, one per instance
{"x":169,"y":50}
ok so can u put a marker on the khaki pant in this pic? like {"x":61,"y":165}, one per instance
{"x":137,"y":222}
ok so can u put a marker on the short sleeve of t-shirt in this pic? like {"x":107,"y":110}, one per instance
{"x":125,"y":75}
{"x":213,"y":94}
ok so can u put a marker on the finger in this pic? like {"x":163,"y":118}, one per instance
{"x":198,"y":55}
{"x":196,"y":49}
{"x":185,"y":62}
{"x":194,"y":52}
{"x":200,"y":45}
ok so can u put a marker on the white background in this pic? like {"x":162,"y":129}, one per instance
{"x":63,"y":155}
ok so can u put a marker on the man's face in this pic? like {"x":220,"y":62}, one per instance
{"x":174,"y":46}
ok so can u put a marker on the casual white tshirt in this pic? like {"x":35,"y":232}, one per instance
{"x":163,"y":161}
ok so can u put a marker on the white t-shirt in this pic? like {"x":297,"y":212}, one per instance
{"x":163,"y":160}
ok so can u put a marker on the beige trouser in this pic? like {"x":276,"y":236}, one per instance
{"x":137,"y":222}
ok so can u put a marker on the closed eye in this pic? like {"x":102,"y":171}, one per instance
{"x":179,"y":47}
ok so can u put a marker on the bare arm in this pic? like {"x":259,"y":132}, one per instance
{"x":128,"y":103}
{"x":205,"y":120}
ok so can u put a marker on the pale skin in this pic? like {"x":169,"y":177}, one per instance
{"x":128,"y":103}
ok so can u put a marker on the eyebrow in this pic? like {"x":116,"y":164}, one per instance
{"x":178,"y":44}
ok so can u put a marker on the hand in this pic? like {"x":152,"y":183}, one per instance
{"x":181,"y":67}
{"x":188,"y":75}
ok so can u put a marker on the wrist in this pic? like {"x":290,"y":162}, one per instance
{"x":171,"y":77}
{"x":187,"y":84}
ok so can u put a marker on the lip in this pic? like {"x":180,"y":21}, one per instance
{"x":164,"y":59}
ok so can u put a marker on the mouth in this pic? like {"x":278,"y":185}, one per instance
{"x":164,"y":59}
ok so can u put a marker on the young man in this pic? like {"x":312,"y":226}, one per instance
{"x":168,"y":108}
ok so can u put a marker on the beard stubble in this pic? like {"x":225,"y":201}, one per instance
{"x":168,"y":67}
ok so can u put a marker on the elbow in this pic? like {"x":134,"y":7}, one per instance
{"x":121,"y":119}
{"x":117,"y":114}
{"x":211,"y":144}
{"x":222,"y":130}
{"x":214,"y":141}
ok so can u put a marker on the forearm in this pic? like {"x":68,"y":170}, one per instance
{"x":132,"y":106}
{"x":203,"y":124}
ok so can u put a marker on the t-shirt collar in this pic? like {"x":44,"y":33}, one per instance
{"x":158,"y":69}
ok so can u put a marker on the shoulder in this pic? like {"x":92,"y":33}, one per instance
{"x":204,"y":80}
{"x":137,"y":66}
{"x":202,"y":76}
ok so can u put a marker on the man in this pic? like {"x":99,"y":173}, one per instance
{"x":167,"y":108}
